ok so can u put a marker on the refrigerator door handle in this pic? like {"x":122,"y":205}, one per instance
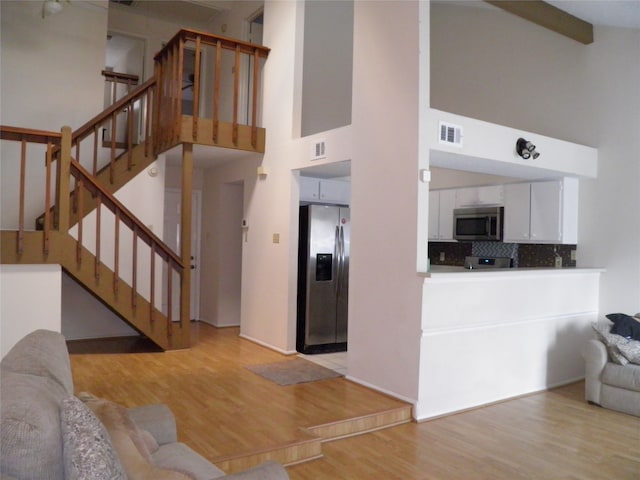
{"x":340,"y":259}
{"x":336,"y":259}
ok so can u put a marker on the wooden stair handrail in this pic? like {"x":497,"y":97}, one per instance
{"x":119,"y":77}
{"x":126,"y":216}
{"x":88,"y":127}
{"x":29,"y":135}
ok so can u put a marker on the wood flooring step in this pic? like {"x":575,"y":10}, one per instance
{"x":310,"y":448}
{"x":362,"y":424}
{"x":291,"y":454}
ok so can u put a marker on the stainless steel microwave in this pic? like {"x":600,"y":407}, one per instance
{"x":482,"y":223}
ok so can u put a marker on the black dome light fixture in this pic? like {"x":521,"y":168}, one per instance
{"x":526,"y":149}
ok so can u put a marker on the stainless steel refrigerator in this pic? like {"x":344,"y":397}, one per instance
{"x":323,"y":279}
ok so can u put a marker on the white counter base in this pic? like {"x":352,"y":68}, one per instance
{"x":492,"y":335}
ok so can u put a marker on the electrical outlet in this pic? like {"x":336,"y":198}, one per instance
{"x":558,"y":262}
{"x":276,"y":238}
{"x":573,"y":255}
{"x":442,"y":256}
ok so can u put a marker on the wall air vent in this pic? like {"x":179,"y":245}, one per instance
{"x":318,"y":150}
{"x":450,"y":134}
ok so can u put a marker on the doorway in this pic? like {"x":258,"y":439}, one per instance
{"x":125,"y":55}
{"x":230,"y":240}
{"x":171,"y":232}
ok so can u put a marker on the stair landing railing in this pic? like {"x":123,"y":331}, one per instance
{"x":192,"y":70}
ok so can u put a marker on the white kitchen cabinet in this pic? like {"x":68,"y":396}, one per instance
{"x":441,"y":205}
{"x":324,"y":191}
{"x":309,"y":189}
{"x":335,"y":191}
{"x":517,"y":212}
{"x":480,"y":196}
{"x":542,"y":212}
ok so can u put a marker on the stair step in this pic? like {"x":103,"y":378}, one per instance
{"x":309,"y":447}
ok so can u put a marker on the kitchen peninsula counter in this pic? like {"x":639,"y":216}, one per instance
{"x":445,"y":271}
{"x":492,"y":334}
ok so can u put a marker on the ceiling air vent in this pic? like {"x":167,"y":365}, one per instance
{"x":318,"y":150}
{"x":450,"y":134}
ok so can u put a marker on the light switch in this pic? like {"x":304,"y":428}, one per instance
{"x":276,"y":238}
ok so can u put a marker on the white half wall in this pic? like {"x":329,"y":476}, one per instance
{"x":29,"y":300}
{"x":489,"y":336}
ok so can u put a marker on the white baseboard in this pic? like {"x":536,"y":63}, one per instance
{"x":412,"y":401}
{"x":267,"y":345}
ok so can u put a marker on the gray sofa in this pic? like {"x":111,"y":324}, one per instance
{"x":610,"y":384}
{"x":48,"y":433}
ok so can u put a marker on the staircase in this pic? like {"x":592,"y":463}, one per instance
{"x":85,"y":229}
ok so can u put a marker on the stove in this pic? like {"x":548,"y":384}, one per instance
{"x":472,"y":263}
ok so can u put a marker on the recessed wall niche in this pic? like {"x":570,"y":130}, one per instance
{"x":327,"y":70}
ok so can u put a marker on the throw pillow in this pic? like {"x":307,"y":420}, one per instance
{"x":611,"y":342}
{"x":624,"y":325}
{"x":118,"y":415}
{"x":87,"y":450}
{"x":136,"y":466}
{"x":631,"y":351}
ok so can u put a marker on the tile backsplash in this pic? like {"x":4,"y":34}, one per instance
{"x":523,"y":255}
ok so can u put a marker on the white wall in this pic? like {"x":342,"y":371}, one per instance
{"x":50,"y":77}
{"x":584,"y":94}
{"x":447,"y":178}
{"x":144,"y":197}
{"x":29,"y":300}
{"x":154,"y":31}
{"x":227,"y":190}
{"x":269,"y":270}
{"x":384,"y":289}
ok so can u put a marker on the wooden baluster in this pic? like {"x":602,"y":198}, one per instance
{"x":216,"y":93}
{"x":114,"y":93}
{"x":134,"y":270}
{"x":152,"y":282}
{"x":196,"y":90}
{"x":112,"y":163}
{"x":116,"y":254}
{"x":169,"y":296}
{"x":23,"y":168}
{"x":47,"y":198}
{"x":171,"y":82}
{"x":98,"y":225}
{"x":95,"y":150}
{"x":157,"y":104}
{"x":78,"y":151}
{"x":80,"y":196}
{"x":236,"y":95}
{"x":177,"y":80}
{"x":130,"y":136}
{"x":254,"y":103}
{"x":147,"y":120}
{"x":74,"y":203}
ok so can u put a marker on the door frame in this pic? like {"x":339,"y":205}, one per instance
{"x":196,"y":229}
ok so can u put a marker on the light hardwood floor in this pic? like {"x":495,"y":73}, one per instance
{"x":225,"y":412}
